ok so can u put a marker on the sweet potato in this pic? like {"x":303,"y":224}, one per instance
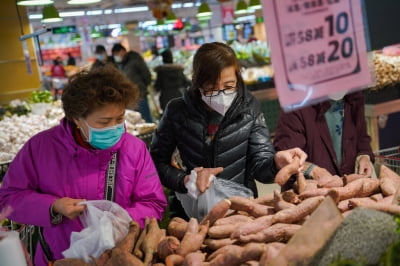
{"x":253,"y":251}
{"x":344,"y":204}
{"x":167,"y":246}
{"x":311,"y":184}
{"x":251,"y":263}
{"x":297,"y":212}
{"x":386,"y":172}
{"x":151,"y":240}
{"x":267,"y":199}
{"x":122,"y":257}
{"x":360,"y":187}
{"x":350,"y":178}
{"x":222,"y":231}
{"x":300,"y":182}
{"x":278,"y":232}
{"x":237,"y":218}
{"x":223,"y":250}
{"x":177,"y":227}
{"x":128,"y":242}
{"x":218,"y":211}
{"x":279,"y":203}
{"x":291,"y":196}
{"x":388,"y":199}
{"x":174,"y":260}
{"x":330,"y":181}
{"x":314,"y":193}
{"x":377,"y":197}
{"x":286,"y":172}
{"x":137,"y":249}
{"x":70,"y":262}
{"x":104,"y":257}
{"x":231,"y":257}
{"x":389,"y":208}
{"x":254,"y":226}
{"x":193,"y":238}
{"x":214,"y":244}
{"x":194,"y":259}
{"x":249,"y":206}
{"x":271,"y":251}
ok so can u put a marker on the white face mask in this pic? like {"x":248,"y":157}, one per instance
{"x":220,"y":102}
{"x":118,"y":58}
{"x":336,"y":96}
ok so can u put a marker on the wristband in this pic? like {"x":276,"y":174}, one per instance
{"x":308,"y":171}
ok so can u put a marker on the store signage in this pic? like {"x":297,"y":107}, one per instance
{"x":317,"y":47}
{"x":64,"y":29}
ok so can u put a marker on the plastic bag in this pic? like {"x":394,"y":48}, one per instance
{"x":105,"y":222}
{"x":220,"y":189}
{"x":11,"y":251}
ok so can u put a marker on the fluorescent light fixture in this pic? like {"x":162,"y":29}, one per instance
{"x":148,"y":23}
{"x":82,"y":2}
{"x":108,"y":11}
{"x":176,"y":5}
{"x":72,"y":14}
{"x":188,"y":5}
{"x":246,"y":18}
{"x":34,"y":2}
{"x":131,"y":9}
{"x":94,"y":12}
{"x":35,"y":16}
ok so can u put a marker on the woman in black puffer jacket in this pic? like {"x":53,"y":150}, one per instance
{"x":217,"y":123}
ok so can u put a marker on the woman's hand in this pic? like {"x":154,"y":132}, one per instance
{"x":320,"y":174}
{"x":68,"y":207}
{"x":285,"y":157}
{"x":204,"y":175}
{"x":364,"y":165}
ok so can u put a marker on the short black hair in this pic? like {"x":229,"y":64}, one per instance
{"x":99,"y":49}
{"x":117,"y":47}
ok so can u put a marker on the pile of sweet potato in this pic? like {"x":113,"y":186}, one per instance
{"x":243,"y":231}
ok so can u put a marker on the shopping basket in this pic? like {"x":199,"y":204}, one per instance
{"x":26,"y":235}
{"x":389,"y":157}
{"x":146,"y":137}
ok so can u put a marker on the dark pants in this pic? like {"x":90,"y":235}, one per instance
{"x":144,"y":110}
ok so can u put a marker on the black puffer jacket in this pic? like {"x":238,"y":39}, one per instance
{"x":170,"y":82}
{"x":241,"y":146}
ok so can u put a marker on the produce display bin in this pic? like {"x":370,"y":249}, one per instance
{"x":146,"y":137}
{"x":389,"y":157}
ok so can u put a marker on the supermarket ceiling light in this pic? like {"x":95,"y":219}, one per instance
{"x":50,"y":14}
{"x":82,"y":2}
{"x":131,"y":9}
{"x":72,"y":14}
{"x":34,"y":2}
{"x":203,"y":10}
{"x":94,"y":12}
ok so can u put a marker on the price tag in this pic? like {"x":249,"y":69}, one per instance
{"x":318,"y":47}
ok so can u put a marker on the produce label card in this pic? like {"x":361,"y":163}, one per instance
{"x":318,"y":47}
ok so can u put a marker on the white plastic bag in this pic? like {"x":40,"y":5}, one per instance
{"x":11,"y":251}
{"x":105,"y":222}
{"x":219,"y":189}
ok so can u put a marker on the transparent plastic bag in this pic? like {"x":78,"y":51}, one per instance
{"x":219,"y":189}
{"x":105,"y":222}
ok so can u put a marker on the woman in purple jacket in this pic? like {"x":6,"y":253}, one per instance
{"x":332,"y":133}
{"x":60,"y":167}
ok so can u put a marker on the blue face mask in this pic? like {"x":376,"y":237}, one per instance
{"x":100,"y":57}
{"x":104,"y":138}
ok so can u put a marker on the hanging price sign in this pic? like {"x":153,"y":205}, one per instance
{"x":318,"y":47}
